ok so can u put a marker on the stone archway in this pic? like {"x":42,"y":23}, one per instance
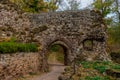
{"x":67,"y":52}
{"x":65,"y":49}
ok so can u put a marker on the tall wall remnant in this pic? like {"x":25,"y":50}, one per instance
{"x":83,"y":32}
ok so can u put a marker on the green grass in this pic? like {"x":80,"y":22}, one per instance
{"x":101,"y":66}
{"x":13,"y":47}
{"x":96,"y":78}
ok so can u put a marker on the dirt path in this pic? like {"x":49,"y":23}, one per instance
{"x":53,"y":74}
{"x":56,"y":69}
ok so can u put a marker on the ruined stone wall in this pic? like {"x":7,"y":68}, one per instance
{"x":83,"y":32}
{"x":13,"y":23}
{"x":18,"y":65}
{"x":75,"y":29}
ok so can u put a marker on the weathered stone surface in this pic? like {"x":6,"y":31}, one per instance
{"x":19,"y":64}
{"x":71,"y":29}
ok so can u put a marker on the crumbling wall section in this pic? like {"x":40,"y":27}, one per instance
{"x":84,"y":31}
{"x":19,"y":64}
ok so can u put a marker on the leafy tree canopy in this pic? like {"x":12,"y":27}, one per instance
{"x":35,"y":5}
{"x":104,"y":6}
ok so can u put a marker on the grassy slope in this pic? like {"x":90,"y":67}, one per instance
{"x":92,"y":71}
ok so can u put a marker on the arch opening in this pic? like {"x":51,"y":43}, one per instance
{"x":58,"y":53}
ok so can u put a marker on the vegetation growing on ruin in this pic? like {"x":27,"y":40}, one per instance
{"x":13,"y":47}
{"x":97,"y":70}
{"x":101,"y":67}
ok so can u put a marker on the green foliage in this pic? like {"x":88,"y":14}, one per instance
{"x":101,"y":66}
{"x":114,"y":33}
{"x":52,"y":5}
{"x":13,"y":47}
{"x":96,"y":78}
{"x":34,"y":6}
{"x":116,"y":67}
{"x":85,"y":64}
{"x":113,"y":40}
{"x":104,"y":6}
{"x":12,"y":39}
{"x":54,"y":48}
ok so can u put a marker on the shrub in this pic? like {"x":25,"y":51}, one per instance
{"x":13,"y":47}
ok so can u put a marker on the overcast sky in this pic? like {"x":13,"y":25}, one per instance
{"x":84,"y":3}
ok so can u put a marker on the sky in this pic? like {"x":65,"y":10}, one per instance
{"x":84,"y":3}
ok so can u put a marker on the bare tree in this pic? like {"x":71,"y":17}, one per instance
{"x":74,"y":4}
{"x":117,"y":9}
{"x":69,"y":5}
